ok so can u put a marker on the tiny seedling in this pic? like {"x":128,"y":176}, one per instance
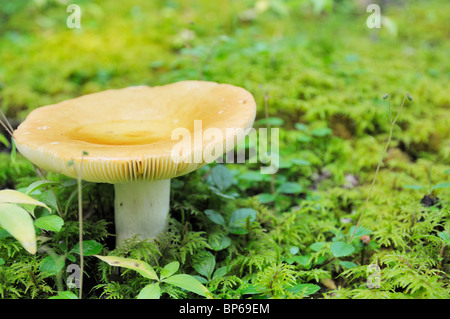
{"x":167,"y":276}
{"x":431,"y":188}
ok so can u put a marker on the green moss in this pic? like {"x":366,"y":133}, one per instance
{"x":325,"y":72}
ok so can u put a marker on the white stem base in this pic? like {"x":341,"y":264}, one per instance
{"x":141,"y":208}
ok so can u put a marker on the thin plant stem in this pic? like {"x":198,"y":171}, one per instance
{"x":5,"y":126}
{"x":195,"y":61}
{"x":379,"y":163}
{"x":80,"y":222}
{"x":80,"y":235}
{"x":11,"y":130}
{"x":209,"y":55}
{"x":269,"y":133}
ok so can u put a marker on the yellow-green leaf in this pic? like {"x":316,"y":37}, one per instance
{"x":18,"y":222}
{"x":14,"y":197}
{"x":140,"y":266}
{"x":34,"y":186}
{"x":169,"y":269}
{"x":187,"y":282}
{"x":50,"y":222}
{"x":151,"y":291}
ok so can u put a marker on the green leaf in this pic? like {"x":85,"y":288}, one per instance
{"x":320,"y":132}
{"x":204,"y":263}
{"x":441,"y":185}
{"x":445,"y":237}
{"x":50,"y":223}
{"x":151,"y":291}
{"x":300,"y":162}
{"x":51,"y":265}
{"x":220,"y":272}
{"x":188,"y":283}
{"x":140,"y":266}
{"x":301,"y":127}
{"x":201,"y":279}
{"x":253,"y":177}
{"x":304,"y":289}
{"x":273,"y":121}
{"x":170,"y":269}
{"x":215,"y":217}
{"x":14,"y":197}
{"x":290,"y":188}
{"x":252,"y":289}
{"x":226,"y":196}
{"x":219,"y":241}
{"x":221,"y":177}
{"x":347,"y":264}
{"x":19,"y":224}
{"x":341,"y":249}
{"x":4,"y":233}
{"x":360,"y":231}
{"x":65,"y":295}
{"x":36,"y":185}
{"x":4,"y":140}
{"x":318,"y":246}
{"x":294,"y":250}
{"x":304,"y":138}
{"x":415,"y":187}
{"x":265,"y":198}
{"x":51,"y":200}
{"x":239,"y":218}
{"x":90,"y":247}
{"x":301,"y":260}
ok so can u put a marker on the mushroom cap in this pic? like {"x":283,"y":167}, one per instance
{"x":126,"y":134}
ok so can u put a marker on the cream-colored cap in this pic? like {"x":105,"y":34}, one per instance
{"x":127,"y":133}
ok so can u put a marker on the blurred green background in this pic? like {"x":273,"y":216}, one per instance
{"x":317,"y":59}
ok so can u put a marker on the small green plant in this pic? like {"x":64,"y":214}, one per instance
{"x":392,"y":121}
{"x":275,"y":279}
{"x":238,"y":223}
{"x":167,"y":276}
{"x":431,"y":189}
{"x":18,"y":219}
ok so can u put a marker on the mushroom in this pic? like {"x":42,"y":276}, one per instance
{"x":125,"y":137}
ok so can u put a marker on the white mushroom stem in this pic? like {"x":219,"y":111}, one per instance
{"x":141,"y":208}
